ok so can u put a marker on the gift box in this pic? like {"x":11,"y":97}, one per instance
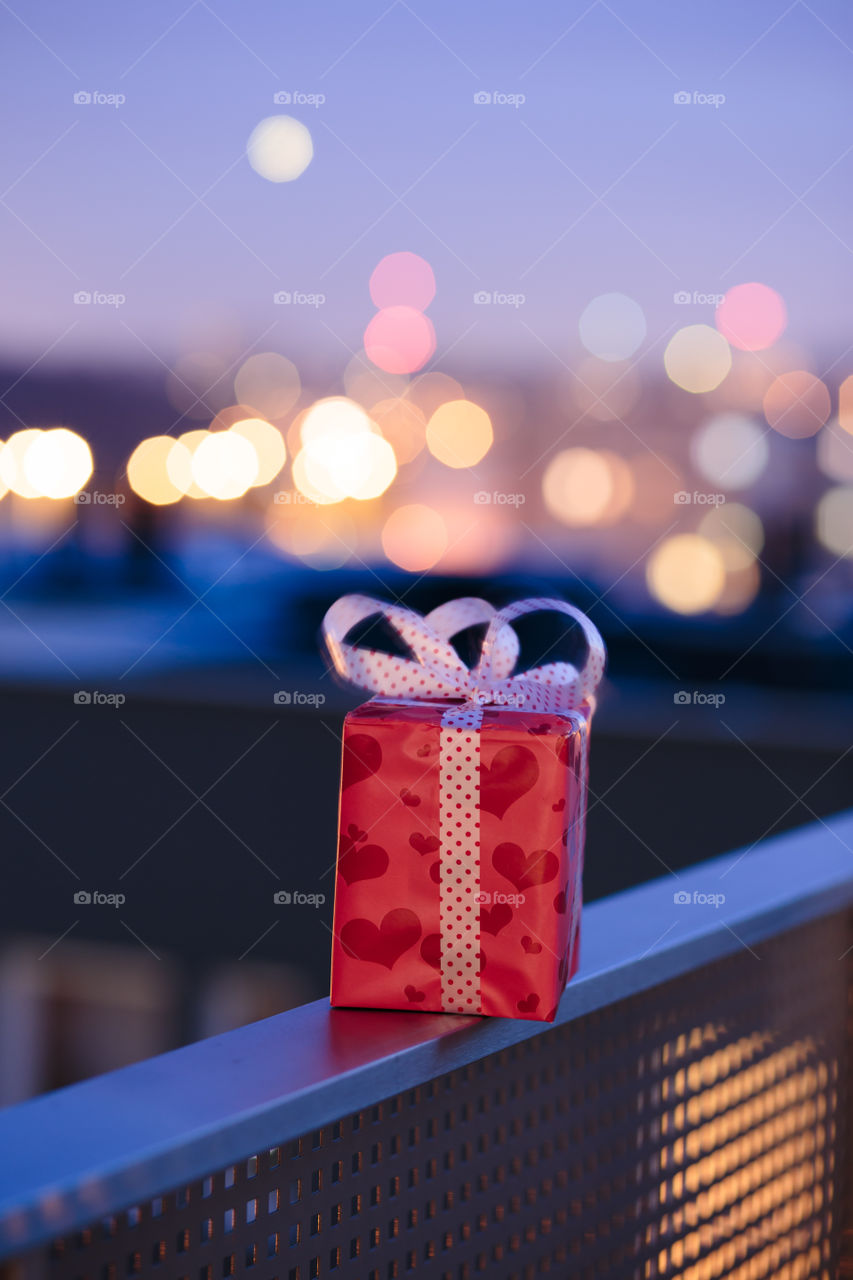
{"x":462,"y":816}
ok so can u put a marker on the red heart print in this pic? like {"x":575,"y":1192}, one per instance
{"x":362,"y":758}
{"x":560,"y":805}
{"x":355,"y":833}
{"x":424,"y":750}
{"x":532,"y":948}
{"x":409,"y":798}
{"x":523,"y":870}
{"x":561,"y":901}
{"x":431,"y":950}
{"x":493,"y":919}
{"x":511,"y":775}
{"x":528,"y":1005}
{"x":566,"y":837}
{"x":399,"y":930}
{"x":422,"y":843}
{"x":412,"y":993}
{"x":364,"y":862}
{"x":435,"y":872}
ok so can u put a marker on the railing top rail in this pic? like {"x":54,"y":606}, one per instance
{"x":82,"y":1152}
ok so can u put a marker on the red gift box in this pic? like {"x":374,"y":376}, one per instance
{"x":461,"y":823}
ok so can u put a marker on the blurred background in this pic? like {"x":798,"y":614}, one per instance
{"x":421,"y":301}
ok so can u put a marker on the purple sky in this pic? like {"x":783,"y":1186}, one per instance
{"x":499,"y":198}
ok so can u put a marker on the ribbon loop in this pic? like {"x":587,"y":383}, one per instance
{"x":437,"y":671}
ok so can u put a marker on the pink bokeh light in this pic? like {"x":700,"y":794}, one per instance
{"x":751,"y":316}
{"x":403,"y":280}
{"x":399,"y":340}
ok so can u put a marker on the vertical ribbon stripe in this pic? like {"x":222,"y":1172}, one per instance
{"x":459,"y":865}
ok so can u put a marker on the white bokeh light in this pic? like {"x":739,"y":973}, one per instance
{"x":280,"y":148}
{"x":612,"y":326}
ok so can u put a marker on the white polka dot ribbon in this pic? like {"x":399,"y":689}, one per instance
{"x":437,"y":672}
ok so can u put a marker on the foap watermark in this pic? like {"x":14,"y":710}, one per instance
{"x":484,"y":899}
{"x":291,"y":497}
{"x":685,"y":98}
{"x":97,"y":298}
{"x":684,"y":499}
{"x":97,"y":498}
{"x":682,"y":898}
{"x":496,"y":698}
{"x":695,"y":698}
{"x":495,"y":298}
{"x":295,"y":898}
{"x":294,"y":298}
{"x":94,"y":698}
{"x":293,"y":697}
{"x":696,"y":298}
{"x":498,"y":99}
{"x":96,"y":98}
{"x":85,"y":898}
{"x":497,"y":498}
{"x":298,"y":98}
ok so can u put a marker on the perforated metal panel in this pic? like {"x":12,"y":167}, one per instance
{"x":695,"y":1130}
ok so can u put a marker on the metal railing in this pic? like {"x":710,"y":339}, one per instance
{"x":686,"y":1115}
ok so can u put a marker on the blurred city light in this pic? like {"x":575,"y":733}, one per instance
{"x":12,"y":458}
{"x":736,"y":531}
{"x":268,"y":443}
{"x":269,"y":383}
{"x":697,"y":358}
{"x":148,"y":470}
{"x":459,"y":433}
{"x":612,"y":326}
{"x":730,"y":450}
{"x":225,"y":465}
{"x":414,"y":537}
{"x":834,"y":520}
{"x":57,"y":463}
{"x":751,"y":317}
{"x":578,"y":486}
{"x":797,"y":404}
{"x":686,"y":573}
{"x":403,"y":279}
{"x":399,"y":339}
{"x":280,"y":148}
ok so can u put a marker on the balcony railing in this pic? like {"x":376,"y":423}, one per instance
{"x":686,"y":1115}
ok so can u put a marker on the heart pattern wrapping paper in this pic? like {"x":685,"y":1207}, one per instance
{"x":462,"y":821}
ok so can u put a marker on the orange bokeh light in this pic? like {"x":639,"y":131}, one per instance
{"x":797,"y":404}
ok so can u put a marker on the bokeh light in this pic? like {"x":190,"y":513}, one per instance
{"x":403,"y":280}
{"x":343,"y":454}
{"x":686,"y":573}
{"x":845,"y":404}
{"x":179,"y":463}
{"x":612,"y":326}
{"x":321,"y":539}
{"x":697,"y":358}
{"x":736,"y":531}
{"x":268,"y":444}
{"x":834,"y":520}
{"x":459,"y":433}
{"x":730,"y":450}
{"x":12,"y":457}
{"x":797,"y":404}
{"x":414,"y":537}
{"x":578,"y":486}
{"x":751,"y":316}
{"x":57,"y":463}
{"x":269,"y":383}
{"x":280,"y":148}
{"x":429,"y":390}
{"x":741,"y":588}
{"x":399,"y":339}
{"x":835,"y":452}
{"x":368,"y":385}
{"x":225,"y":465}
{"x":148,"y":473}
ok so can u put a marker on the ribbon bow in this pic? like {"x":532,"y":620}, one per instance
{"x":437,"y":671}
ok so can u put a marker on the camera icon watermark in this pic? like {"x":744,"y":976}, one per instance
{"x":485,"y":899}
{"x":95,"y":98}
{"x":291,"y":497}
{"x":97,"y":298}
{"x":287,"y":298}
{"x":683,"y":899}
{"x":294,"y":898}
{"x":683,"y":98}
{"x":499,"y":99}
{"x":83,"y":898}
{"x":684,"y":499}
{"x":296,"y":98}
{"x":497,"y":298}
{"x":695,"y":698}
{"x":293,"y":697}
{"x":498,"y":498}
{"x":686,"y":298}
{"x":97,"y":498}
{"x":94,"y":697}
